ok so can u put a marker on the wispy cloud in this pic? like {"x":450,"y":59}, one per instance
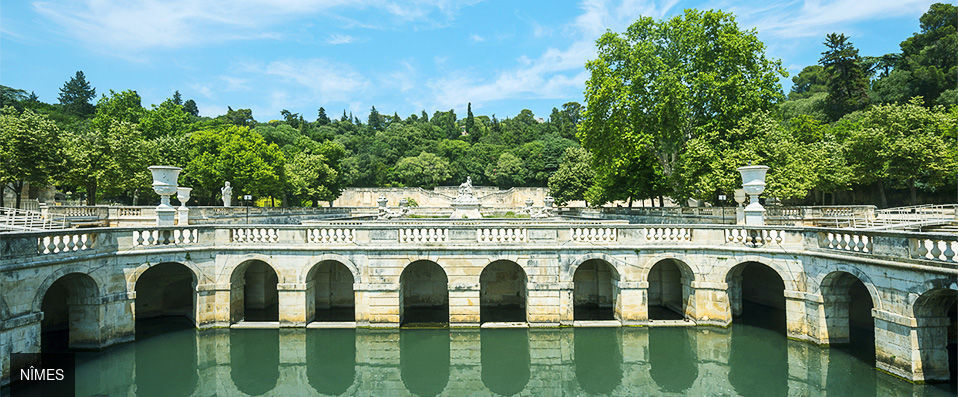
{"x":477,"y":38}
{"x":813,"y":18}
{"x":337,"y":39}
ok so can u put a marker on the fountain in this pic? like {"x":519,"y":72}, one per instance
{"x":466,"y":205}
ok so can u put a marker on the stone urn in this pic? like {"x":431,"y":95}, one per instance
{"x":753,"y":183}
{"x":183,"y":213}
{"x":740,"y":209}
{"x":164,"y":184}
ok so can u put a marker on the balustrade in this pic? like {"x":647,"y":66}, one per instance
{"x":328,"y":235}
{"x":165,"y":237}
{"x":68,"y":242}
{"x":754,"y":237}
{"x":936,"y":249}
{"x":254,"y":235}
{"x":855,"y":242}
{"x":501,"y":235}
{"x":668,"y":234}
{"x":594,"y":234}
{"x":423,"y":235}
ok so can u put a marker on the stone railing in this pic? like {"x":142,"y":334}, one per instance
{"x":908,"y":247}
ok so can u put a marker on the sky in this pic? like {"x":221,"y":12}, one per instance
{"x":400,"y":56}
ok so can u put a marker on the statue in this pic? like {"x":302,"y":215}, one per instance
{"x":227,"y":192}
{"x":465,"y":189}
{"x":466,"y":205}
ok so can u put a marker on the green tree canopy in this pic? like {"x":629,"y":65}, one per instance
{"x":425,"y":170}
{"x":76,"y":94}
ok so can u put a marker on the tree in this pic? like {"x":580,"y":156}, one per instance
{"x":235,"y":154}
{"x":10,"y":96}
{"x":847,"y":85}
{"x":314,"y":173}
{"x":573,"y":178}
{"x":239,"y":117}
{"x":470,"y":119}
{"x":322,"y":119}
{"x":168,"y":118}
{"x":507,"y":171}
{"x":425,"y":170}
{"x":662,"y":86}
{"x":808,"y":82}
{"x":76,"y":94}
{"x":30,"y":151}
{"x":375,"y":120}
{"x":177,"y":98}
{"x":190,"y":107}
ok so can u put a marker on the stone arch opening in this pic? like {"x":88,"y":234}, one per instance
{"x":670,"y":284}
{"x":165,"y":293}
{"x":424,"y":360}
{"x":71,"y":314}
{"x":253,"y":292}
{"x":757,"y":296}
{"x":505,"y":359}
{"x":502,"y":292}
{"x":254,"y":360}
{"x":848,"y":314}
{"x":329,"y":292}
{"x":673,"y":361}
{"x":598,"y":359}
{"x":423,"y":295}
{"x":331,"y":360}
{"x":594,"y":291}
{"x":936,"y":314}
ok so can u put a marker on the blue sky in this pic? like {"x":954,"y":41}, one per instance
{"x":401,"y":56}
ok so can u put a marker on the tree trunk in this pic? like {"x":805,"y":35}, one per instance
{"x":91,"y":192}
{"x":661,"y":201}
{"x":881,"y":192}
{"x":913,"y":196}
{"x":3,"y":186}
{"x":315,"y":201}
{"x":630,"y":201}
{"x":17,"y":192}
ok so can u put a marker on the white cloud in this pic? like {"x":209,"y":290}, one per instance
{"x":337,"y":39}
{"x":130,"y":26}
{"x":477,"y":38}
{"x":815,"y":18}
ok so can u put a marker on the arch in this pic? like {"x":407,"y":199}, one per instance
{"x":423,"y":294}
{"x":164,"y":290}
{"x":330,"y":292}
{"x":132,"y":278}
{"x":502,"y":292}
{"x":56,"y":275}
{"x":669,"y":289}
{"x":71,"y":313}
{"x":318,"y":259}
{"x":595,"y":290}
{"x":505,"y":359}
{"x":571,"y":265}
{"x":936,"y":315}
{"x":857,"y":273}
{"x":782,"y":269}
{"x":685,"y":261}
{"x":235,"y":263}
{"x":257,"y":304}
{"x":756,"y":294}
{"x":848,"y":315}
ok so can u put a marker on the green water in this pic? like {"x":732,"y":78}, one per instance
{"x":742,"y":360}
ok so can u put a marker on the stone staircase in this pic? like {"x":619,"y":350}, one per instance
{"x":25,"y":220}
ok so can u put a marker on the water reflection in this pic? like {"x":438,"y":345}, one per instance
{"x":598,"y":359}
{"x":741,"y":360}
{"x":424,"y":360}
{"x":331,"y":360}
{"x":254,"y":360}
{"x":672,"y":358}
{"x":505,"y":360}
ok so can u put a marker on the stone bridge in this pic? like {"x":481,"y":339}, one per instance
{"x":97,"y":283}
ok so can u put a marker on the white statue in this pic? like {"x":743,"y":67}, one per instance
{"x":227,"y":192}
{"x":465,"y":189}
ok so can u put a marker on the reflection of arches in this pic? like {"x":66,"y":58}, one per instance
{"x":594,"y":290}
{"x":670,"y":287}
{"x":254,"y":360}
{"x":166,"y":357}
{"x":936,"y":317}
{"x":848,"y":307}
{"x":505,"y":360}
{"x":253,"y":292}
{"x":423,"y":294}
{"x":758,"y":361}
{"x":597,"y":359}
{"x":329,"y":292}
{"x":502,"y":292}
{"x":71,"y":313}
{"x":424,"y":360}
{"x":673,"y":362}
{"x":757,"y":295}
{"x":166,"y":289}
{"x":331,"y":359}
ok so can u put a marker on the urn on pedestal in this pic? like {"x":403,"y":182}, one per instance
{"x":740,"y":209}
{"x":183,"y":213}
{"x":753,"y":183}
{"x":164,"y":184}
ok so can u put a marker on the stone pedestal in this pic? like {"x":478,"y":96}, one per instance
{"x":739,"y":215}
{"x":754,"y":215}
{"x":182,"y":216}
{"x":465,"y":211}
{"x":165,"y":215}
